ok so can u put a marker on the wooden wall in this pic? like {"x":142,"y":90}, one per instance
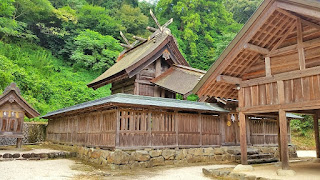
{"x":139,"y":128}
{"x":11,"y":119}
{"x":91,"y":129}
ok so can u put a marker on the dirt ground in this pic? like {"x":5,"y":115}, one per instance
{"x":304,"y":170}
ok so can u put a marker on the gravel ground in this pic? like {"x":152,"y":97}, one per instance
{"x":306,"y":153}
{"x":44,"y":169}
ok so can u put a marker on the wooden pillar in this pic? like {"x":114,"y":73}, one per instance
{"x":248,"y":130}
{"x":267,"y":66}
{"x":19,"y":143}
{"x":177,"y":127}
{"x":243,"y":138}
{"x":223,"y":119}
{"x":117,"y":144}
{"x":279,"y":141}
{"x":284,"y":139}
{"x":200,"y":128}
{"x":316,"y":133}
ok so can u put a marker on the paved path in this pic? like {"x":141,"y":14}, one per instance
{"x":36,"y":170}
{"x":183,"y":173}
{"x":306,"y":153}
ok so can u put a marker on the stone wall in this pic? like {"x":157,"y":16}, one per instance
{"x":33,"y":132}
{"x":125,"y":159}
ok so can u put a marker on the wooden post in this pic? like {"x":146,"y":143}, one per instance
{"x":248,"y":130}
{"x":267,"y":66}
{"x":117,"y":128}
{"x":177,"y":127}
{"x":200,"y":128}
{"x":316,"y":133}
{"x":279,"y":141}
{"x":243,"y":138}
{"x":223,"y":118}
{"x":284,"y":139}
{"x":19,"y":143}
{"x":157,"y":92}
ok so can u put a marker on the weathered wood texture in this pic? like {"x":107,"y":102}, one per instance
{"x":11,"y":120}
{"x":138,"y":128}
{"x":265,"y":132}
{"x":91,"y":129}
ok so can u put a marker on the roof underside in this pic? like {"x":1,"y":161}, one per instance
{"x":272,"y":27}
{"x":145,"y":101}
{"x":179,"y":79}
{"x":135,"y":57}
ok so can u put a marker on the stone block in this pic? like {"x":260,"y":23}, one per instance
{"x":198,"y":152}
{"x":218,"y":151}
{"x":105,"y":153}
{"x":181,"y":154}
{"x":16,"y":155}
{"x":169,"y":162}
{"x":0,"y":155}
{"x":118,"y":157}
{"x":316,"y":160}
{"x":155,"y":153}
{"x":281,"y":172}
{"x":157,"y":161}
{"x":95,"y":154}
{"x":168,"y":154}
{"x":243,"y":168}
{"x":208,"y":151}
{"x":7,"y":155}
{"x":140,"y":156}
{"x":191,"y":151}
{"x":234,"y":151}
{"x":219,"y":157}
{"x":43,"y":155}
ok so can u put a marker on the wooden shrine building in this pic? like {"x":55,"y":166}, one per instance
{"x":271,"y":67}
{"x":13,"y":109}
{"x":149,"y":67}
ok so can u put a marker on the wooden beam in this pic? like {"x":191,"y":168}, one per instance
{"x":302,"y":60}
{"x":306,"y":44}
{"x":300,"y":10}
{"x":229,"y":79}
{"x":284,"y":139}
{"x":126,"y":46}
{"x":316,"y":132}
{"x":267,"y":66}
{"x":139,"y":38}
{"x":282,"y":76}
{"x":243,"y":138}
{"x":255,"y":48}
{"x":284,"y":37}
{"x":311,"y":24}
{"x":152,"y":29}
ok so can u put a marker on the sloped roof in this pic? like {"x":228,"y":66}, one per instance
{"x":146,"y":101}
{"x":12,"y":94}
{"x":179,"y":79}
{"x":137,"y":56}
{"x":235,"y":60}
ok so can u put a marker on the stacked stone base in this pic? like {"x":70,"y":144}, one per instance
{"x":36,"y":156}
{"x":130,"y":159}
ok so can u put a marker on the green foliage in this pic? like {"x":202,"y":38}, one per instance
{"x":95,"y":51}
{"x":302,"y":126}
{"x":203,"y":28}
{"x":242,"y":9}
{"x":45,"y":82}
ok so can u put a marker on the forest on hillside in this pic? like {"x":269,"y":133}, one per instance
{"x":53,"y":48}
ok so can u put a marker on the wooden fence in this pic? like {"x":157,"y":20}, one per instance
{"x":139,"y":128}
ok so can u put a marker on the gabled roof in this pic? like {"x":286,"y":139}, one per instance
{"x":271,"y":21}
{"x":145,"y":101}
{"x":12,"y":94}
{"x":141,"y":56}
{"x":179,"y":79}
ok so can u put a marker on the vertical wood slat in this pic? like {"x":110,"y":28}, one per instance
{"x":117,"y":128}
{"x":316,"y":132}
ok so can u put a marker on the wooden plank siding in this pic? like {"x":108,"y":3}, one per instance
{"x":130,"y":128}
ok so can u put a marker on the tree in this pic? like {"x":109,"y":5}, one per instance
{"x":242,"y":9}
{"x":94,"y":51}
{"x":199,"y":27}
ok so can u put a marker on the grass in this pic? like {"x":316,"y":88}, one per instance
{"x":303,"y":142}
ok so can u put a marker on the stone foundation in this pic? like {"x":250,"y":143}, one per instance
{"x":125,"y":159}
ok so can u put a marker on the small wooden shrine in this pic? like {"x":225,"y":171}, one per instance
{"x":271,"y":67}
{"x":13,"y":109}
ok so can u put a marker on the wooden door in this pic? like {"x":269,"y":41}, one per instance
{"x":232,"y":130}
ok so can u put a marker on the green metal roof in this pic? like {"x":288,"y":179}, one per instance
{"x":147,"y":101}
